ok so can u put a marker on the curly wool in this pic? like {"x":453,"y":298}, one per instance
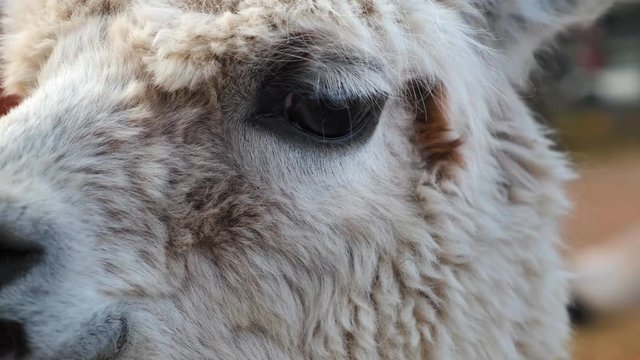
{"x":440,"y":246}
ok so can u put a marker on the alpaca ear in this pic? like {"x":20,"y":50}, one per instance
{"x":519,"y":27}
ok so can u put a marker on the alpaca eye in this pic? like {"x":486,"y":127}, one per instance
{"x":331,"y":120}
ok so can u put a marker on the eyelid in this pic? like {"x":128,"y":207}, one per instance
{"x":343,"y":120}
{"x":333,"y":78}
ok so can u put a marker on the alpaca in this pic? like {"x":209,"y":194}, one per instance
{"x":277,"y":179}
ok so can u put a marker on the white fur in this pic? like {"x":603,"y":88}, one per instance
{"x":135,"y":111}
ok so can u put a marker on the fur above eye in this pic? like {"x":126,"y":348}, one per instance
{"x":331,"y":120}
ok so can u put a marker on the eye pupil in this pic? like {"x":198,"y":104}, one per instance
{"x":329,"y":119}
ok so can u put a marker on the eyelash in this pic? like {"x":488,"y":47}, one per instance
{"x":296,"y":115}
{"x":330,"y":120}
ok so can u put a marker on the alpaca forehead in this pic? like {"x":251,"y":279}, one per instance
{"x":198,"y":45}
{"x":366,"y":7}
{"x":185,"y":43}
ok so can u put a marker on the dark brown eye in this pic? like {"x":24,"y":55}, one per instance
{"x":331,"y":120}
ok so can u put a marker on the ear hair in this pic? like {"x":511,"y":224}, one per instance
{"x":434,"y":138}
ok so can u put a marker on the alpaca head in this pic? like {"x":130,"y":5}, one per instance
{"x":247,"y":179}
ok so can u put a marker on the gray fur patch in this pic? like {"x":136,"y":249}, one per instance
{"x":103,"y":338}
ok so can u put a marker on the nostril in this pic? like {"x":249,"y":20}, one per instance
{"x":16,"y":257}
{"x":13,"y":341}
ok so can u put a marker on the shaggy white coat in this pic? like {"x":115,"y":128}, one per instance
{"x":174,"y":230}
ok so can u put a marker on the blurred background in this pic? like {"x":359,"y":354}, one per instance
{"x":588,"y":91}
